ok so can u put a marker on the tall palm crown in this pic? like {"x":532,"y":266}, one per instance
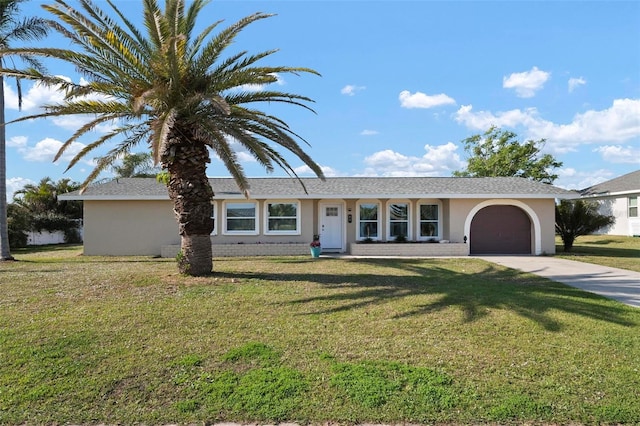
{"x":13,"y":29}
{"x":177,"y":92}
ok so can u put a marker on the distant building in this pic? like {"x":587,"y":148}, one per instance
{"x":619,"y":198}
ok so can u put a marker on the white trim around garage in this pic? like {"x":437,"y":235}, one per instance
{"x":537,"y":229}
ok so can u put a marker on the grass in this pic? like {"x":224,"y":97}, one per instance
{"x":607,"y":250}
{"x":90,"y":340}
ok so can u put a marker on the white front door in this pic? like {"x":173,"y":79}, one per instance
{"x":331,"y":227}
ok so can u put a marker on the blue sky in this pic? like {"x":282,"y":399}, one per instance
{"x":404,"y":82}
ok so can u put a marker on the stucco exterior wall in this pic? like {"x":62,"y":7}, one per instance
{"x":308,"y":220}
{"x":544,"y":210}
{"x":114,"y":228}
{"x":143,"y":227}
{"x":619,"y":208}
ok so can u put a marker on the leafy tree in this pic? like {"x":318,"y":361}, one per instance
{"x":42,"y":199}
{"x":136,"y":165}
{"x":12,"y":29}
{"x":180,"y":93}
{"x":498,"y":153}
{"x":37,"y":208}
{"x":17,"y":225}
{"x":579,"y":217}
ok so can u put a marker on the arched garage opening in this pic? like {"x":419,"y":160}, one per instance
{"x":500,"y":229}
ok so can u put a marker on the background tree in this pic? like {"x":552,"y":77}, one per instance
{"x":579,"y":217}
{"x":12,"y":29}
{"x":37,"y":208}
{"x":43,"y":198}
{"x":136,"y":165}
{"x":180,"y":93}
{"x":498,"y":153}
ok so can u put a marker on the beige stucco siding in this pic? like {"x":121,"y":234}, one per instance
{"x":143,"y":227}
{"x":128,"y":227}
{"x":540,"y":211}
{"x":308,"y":225}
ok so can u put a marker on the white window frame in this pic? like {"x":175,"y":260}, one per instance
{"x":629,"y":206}
{"x":418,"y":221}
{"x":409,"y":234}
{"x":378,"y":221}
{"x":255,"y":231}
{"x":267,"y":231}
{"x":214,"y":218}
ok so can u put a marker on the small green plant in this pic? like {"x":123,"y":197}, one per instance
{"x":401,"y":238}
{"x":183,"y":265}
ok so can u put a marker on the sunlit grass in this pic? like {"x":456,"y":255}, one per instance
{"x":128,"y":340}
{"x":607,"y":250}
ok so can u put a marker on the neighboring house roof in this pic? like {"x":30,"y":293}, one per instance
{"x":337,"y":188}
{"x":621,"y":185}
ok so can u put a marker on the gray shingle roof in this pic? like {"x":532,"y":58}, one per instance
{"x":625,"y":183}
{"x":338,"y":187}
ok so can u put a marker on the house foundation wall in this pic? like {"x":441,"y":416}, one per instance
{"x":418,"y":250}
{"x":245,"y":250}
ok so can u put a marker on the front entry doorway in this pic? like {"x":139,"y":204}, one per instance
{"x":331,"y":227}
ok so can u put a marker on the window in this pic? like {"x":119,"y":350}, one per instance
{"x":633,"y":206}
{"x":331,"y":212}
{"x":241,"y":218}
{"x":398,"y":220}
{"x":282,"y":218}
{"x":428,"y":221}
{"x":368,"y":221}
{"x":214,"y":210}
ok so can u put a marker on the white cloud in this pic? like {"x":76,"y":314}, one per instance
{"x":306,"y":170}
{"x":17,"y":142}
{"x":570,"y":178}
{"x":46,"y":149}
{"x":36,"y":96}
{"x":15,"y":184}
{"x":438,"y":160}
{"x":367,"y":132}
{"x":482,"y":120}
{"x":619,"y":154}
{"x":351,"y":89}
{"x":574,"y":82}
{"x":527,"y":83}
{"x":245,"y":157}
{"x":258,"y":87}
{"x":422,"y":100}
{"x":619,"y":123}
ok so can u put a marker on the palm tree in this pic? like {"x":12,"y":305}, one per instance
{"x":180,"y":93}
{"x":579,"y":217}
{"x":12,"y":29}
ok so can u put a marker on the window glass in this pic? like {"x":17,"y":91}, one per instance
{"x":633,"y":206}
{"x":368,"y":218}
{"x":241,"y":217}
{"x":213,"y":219}
{"x":398,"y":220}
{"x":282,"y":217}
{"x":429,"y":224}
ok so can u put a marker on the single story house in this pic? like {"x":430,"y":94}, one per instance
{"x":356,"y":215}
{"x":618,"y":198}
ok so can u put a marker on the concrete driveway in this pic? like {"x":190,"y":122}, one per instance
{"x":614,"y":283}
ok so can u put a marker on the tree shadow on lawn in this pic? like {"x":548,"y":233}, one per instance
{"x":475,"y":293}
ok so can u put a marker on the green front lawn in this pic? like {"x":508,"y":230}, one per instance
{"x":126,"y":340}
{"x":607,"y":250}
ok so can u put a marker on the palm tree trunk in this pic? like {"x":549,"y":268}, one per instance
{"x":191,"y":193}
{"x":5,"y":252}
